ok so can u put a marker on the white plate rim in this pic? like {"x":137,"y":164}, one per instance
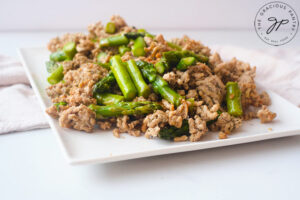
{"x":42,"y":104}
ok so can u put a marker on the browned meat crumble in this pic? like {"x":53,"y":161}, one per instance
{"x":78,"y":117}
{"x":265,"y":115}
{"x":204,"y":83}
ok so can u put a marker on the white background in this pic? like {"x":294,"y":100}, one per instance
{"x":153,"y":14}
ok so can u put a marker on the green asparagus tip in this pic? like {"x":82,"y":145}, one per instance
{"x":104,"y":85}
{"x":134,"y":35}
{"x":51,"y":66}
{"x":171,"y":132}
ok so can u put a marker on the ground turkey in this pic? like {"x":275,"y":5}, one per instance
{"x":78,"y":117}
{"x":211,"y":90}
{"x":265,"y":115}
{"x":227,"y":123}
{"x":197,"y":128}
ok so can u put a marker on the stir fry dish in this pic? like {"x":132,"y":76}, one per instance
{"x":128,"y":80}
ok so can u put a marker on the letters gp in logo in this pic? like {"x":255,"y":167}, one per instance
{"x":276,"y":23}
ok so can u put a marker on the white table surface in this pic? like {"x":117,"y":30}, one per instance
{"x":33,"y":167}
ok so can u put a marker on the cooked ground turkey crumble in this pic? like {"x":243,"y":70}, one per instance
{"x":204,"y":83}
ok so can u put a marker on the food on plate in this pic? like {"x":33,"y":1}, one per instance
{"x":126,"y":79}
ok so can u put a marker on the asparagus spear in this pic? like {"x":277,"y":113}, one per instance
{"x":51,"y":66}
{"x":148,"y":70}
{"x":141,"y":30}
{"x":123,"y":49}
{"x":58,"y":56}
{"x":70,"y":50}
{"x":174,"y":57}
{"x":104,"y":84}
{"x":171,"y":132}
{"x":123,"y":78}
{"x":116,"y":40}
{"x":137,"y":78}
{"x":108,"y":98}
{"x":134,"y":35}
{"x":161,"y":66}
{"x":233,"y":99}
{"x":199,"y":57}
{"x":150,"y":35}
{"x":100,"y":57}
{"x":56,"y":76}
{"x":125,"y":108}
{"x":104,"y":65}
{"x":174,"y":46}
{"x":184,"y":63}
{"x":110,"y":28}
{"x":138,"y":47}
{"x":192,"y":105}
{"x":160,"y":86}
{"x":146,"y":33}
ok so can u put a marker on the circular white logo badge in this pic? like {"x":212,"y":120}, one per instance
{"x":276,"y":23}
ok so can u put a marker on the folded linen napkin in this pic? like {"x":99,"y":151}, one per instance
{"x":19,"y":109}
{"x":277,"y":69}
